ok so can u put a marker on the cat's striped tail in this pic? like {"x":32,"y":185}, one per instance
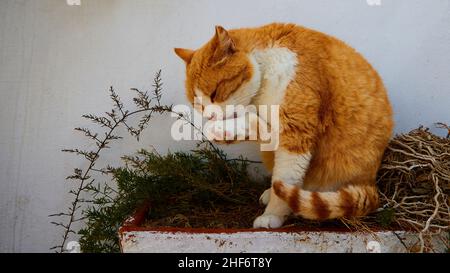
{"x":350,"y":201}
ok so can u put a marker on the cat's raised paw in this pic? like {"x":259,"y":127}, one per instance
{"x":228,"y":131}
{"x":268,"y":221}
{"x":265,"y":197}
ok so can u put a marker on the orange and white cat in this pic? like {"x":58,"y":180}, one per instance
{"x":335,"y":116}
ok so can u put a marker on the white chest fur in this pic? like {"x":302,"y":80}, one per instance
{"x":277,"y":67}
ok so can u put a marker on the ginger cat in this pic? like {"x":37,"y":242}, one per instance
{"x":335,"y":116}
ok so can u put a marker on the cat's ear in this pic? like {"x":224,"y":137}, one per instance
{"x":185,"y":54}
{"x":224,"y":44}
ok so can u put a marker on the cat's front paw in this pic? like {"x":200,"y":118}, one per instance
{"x":214,"y":131}
{"x":227,"y":131}
{"x":268,"y":221}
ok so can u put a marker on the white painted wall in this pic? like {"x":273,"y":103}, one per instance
{"x":57,"y":61}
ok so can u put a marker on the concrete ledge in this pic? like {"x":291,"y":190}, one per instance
{"x":137,"y":238}
{"x":270,"y":241}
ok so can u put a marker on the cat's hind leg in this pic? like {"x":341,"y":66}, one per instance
{"x":289,"y":168}
{"x":267,"y":158}
{"x":264,"y":199}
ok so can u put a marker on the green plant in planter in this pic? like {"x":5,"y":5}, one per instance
{"x":198,"y":189}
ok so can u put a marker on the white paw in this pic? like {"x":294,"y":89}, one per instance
{"x":214,"y":130}
{"x":228,"y":130}
{"x":268,"y":221}
{"x":265,"y":197}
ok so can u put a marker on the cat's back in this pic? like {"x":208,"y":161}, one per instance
{"x":305,"y":42}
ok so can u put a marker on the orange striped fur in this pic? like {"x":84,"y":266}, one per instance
{"x":349,"y":201}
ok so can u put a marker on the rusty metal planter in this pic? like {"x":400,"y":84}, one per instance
{"x":136,"y":238}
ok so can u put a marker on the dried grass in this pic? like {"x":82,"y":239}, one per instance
{"x":414,"y":185}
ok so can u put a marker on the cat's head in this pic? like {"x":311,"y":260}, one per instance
{"x":220,"y":73}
